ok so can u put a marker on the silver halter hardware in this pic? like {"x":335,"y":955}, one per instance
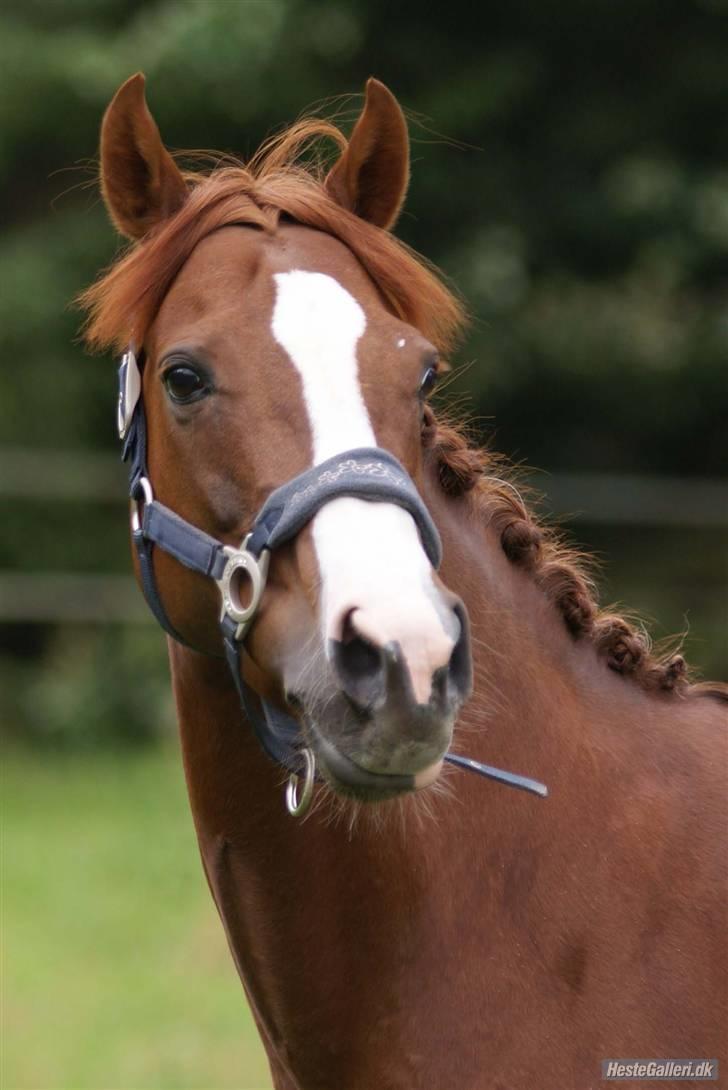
{"x":256,"y":569}
{"x":136,"y":520}
{"x":296,"y":804}
{"x":239,"y":560}
{"x":130,"y":388}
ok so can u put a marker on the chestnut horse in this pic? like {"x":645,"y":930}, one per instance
{"x":436,"y":930}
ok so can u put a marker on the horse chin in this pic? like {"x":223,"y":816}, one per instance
{"x":360,"y":775}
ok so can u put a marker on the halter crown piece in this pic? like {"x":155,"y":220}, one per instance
{"x":367,"y":473}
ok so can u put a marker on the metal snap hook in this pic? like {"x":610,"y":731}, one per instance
{"x":296,"y":804}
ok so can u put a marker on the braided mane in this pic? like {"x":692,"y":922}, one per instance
{"x":284,"y":180}
{"x":558,"y":569}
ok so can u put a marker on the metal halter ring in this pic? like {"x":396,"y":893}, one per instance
{"x":296,"y":804}
{"x":256,"y":569}
{"x":146,"y":488}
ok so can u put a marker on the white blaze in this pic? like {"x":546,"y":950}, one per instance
{"x":370,"y":556}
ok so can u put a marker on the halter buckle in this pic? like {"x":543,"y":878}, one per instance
{"x":256,"y":569}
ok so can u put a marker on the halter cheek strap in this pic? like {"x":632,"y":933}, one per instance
{"x":368,"y":473}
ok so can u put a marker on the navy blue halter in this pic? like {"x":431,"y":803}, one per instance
{"x":368,"y":473}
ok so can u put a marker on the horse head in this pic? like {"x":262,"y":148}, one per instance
{"x":263,"y":306}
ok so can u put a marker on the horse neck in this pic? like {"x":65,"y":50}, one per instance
{"x":339,"y":928}
{"x":291,"y":894}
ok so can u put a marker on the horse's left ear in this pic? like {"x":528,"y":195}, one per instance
{"x":371,"y":176}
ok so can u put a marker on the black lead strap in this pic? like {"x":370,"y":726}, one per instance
{"x":367,"y":473}
{"x":512,"y":779}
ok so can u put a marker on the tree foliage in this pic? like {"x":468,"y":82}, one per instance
{"x":569,"y":176}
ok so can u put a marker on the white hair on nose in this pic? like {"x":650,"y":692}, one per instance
{"x":370,"y":557}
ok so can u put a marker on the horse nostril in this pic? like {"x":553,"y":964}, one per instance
{"x":440,"y":684}
{"x":459,"y":674}
{"x":373,"y":675}
{"x":359,"y":665}
{"x":359,"y":659}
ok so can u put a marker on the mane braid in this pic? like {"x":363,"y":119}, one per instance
{"x":284,"y":180}
{"x":559,"y":570}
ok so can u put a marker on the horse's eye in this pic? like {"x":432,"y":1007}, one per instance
{"x":184,"y":384}
{"x":429,"y":381}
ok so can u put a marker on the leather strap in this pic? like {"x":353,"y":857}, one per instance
{"x":192,"y":547}
{"x":277,"y":732}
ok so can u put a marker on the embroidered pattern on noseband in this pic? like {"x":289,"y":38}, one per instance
{"x":349,"y":466}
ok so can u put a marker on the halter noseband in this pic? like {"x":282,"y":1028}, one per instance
{"x":366,"y":473}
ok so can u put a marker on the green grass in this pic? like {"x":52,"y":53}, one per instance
{"x":116,"y":970}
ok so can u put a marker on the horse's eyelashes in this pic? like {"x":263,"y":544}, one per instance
{"x":429,"y":381}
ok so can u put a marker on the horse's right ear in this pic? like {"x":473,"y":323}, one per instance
{"x":140,"y":181}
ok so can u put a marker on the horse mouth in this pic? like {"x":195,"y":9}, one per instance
{"x":348,"y":778}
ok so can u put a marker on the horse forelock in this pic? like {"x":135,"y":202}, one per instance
{"x":284,"y":180}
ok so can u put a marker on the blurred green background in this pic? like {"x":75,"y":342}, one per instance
{"x":570,"y":177}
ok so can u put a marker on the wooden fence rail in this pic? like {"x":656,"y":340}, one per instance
{"x":31,"y":475}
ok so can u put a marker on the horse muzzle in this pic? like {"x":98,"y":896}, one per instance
{"x":371,"y":735}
